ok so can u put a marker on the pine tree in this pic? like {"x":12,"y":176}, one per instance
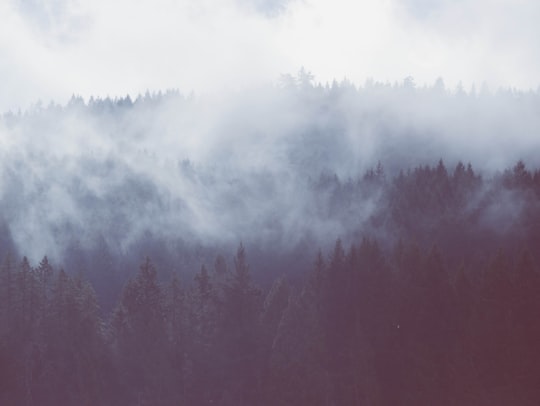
{"x":297,"y":373}
{"x":140,"y":337}
{"x":204,"y":365}
{"x":10,"y":385}
{"x":240,"y":332}
{"x":525,"y":329}
{"x":176,"y":318}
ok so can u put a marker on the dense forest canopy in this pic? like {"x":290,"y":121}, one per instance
{"x":297,"y":244}
{"x":365,"y":326}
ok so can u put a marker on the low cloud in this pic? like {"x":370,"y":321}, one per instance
{"x":51,"y":50}
{"x":256,"y":166}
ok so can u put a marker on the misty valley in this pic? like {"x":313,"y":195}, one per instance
{"x":294,"y":244}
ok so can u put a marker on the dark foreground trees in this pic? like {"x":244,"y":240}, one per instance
{"x":52,"y":348}
{"x":366,"y":327}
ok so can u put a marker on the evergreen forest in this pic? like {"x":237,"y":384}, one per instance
{"x":300,"y":244}
{"x":446,"y":313}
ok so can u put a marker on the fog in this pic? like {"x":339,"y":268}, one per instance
{"x":52,"y":49}
{"x":213,"y":170}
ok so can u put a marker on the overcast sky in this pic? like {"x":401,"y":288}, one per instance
{"x":50,"y":49}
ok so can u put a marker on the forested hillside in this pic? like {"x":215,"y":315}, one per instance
{"x":277,"y":167}
{"x":434,"y":299}
{"x":386,"y":243}
{"x":269,"y":202}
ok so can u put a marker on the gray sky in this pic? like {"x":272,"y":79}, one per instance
{"x":50,"y":49}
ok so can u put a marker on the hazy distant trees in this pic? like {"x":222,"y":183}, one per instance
{"x":127,"y":159}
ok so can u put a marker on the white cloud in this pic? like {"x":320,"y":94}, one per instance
{"x":51,"y":49}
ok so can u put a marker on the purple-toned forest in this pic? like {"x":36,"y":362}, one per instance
{"x":319,"y":252}
{"x":269,"y":202}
